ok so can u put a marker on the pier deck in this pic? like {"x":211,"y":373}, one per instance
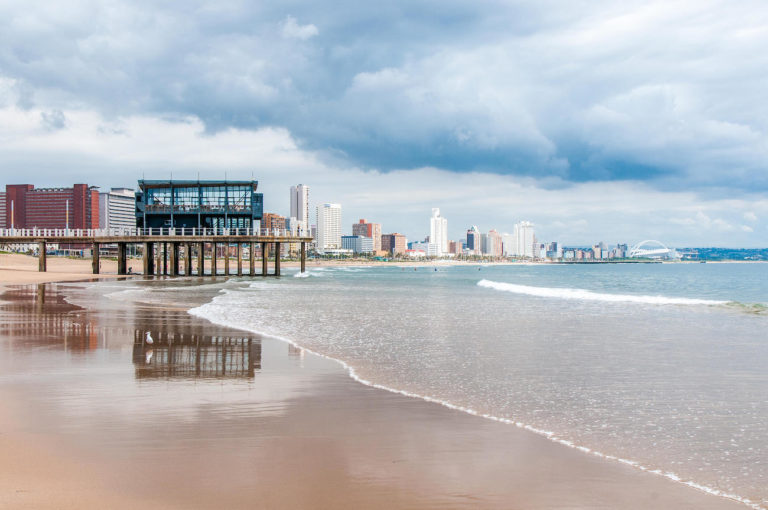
{"x":163,"y":249}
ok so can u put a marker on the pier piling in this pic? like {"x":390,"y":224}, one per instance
{"x":187,"y":259}
{"x":95,"y":258}
{"x":149,"y":258}
{"x":121,"y":258}
{"x":277,"y":259}
{"x":264,"y":259}
{"x":213,"y":259}
{"x":42,"y":262}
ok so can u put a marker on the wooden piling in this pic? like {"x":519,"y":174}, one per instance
{"x":42,"y":261}
{"x":95,"y":258}
{"x":277,"y":259}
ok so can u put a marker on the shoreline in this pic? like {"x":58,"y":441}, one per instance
{"x":612,"y":469}
{"x":550,"y":436}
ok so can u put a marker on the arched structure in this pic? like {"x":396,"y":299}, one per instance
{"x":652,"y":249}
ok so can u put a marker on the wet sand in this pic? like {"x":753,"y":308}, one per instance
{"x":218,"y":418}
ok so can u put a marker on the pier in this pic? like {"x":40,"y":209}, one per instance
{"x":164,"y":249}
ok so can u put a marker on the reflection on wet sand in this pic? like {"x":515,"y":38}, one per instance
{"x":174,"y":354}
{"x":42,"y":317}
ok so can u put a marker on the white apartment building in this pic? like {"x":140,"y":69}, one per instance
{"x":300,"y":208}
{"x":117,"y":208}
{"x":438,"y":231}
{"x":328,"y":227}
{"x":429,"y":249}
{"x":524,"y":239}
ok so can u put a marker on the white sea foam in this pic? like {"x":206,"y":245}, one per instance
{"x":588,"y":295}
{"x":215,"y":313}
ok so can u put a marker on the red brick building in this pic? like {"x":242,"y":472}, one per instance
{"x":272,"y":221}
{"x":76,"y":207}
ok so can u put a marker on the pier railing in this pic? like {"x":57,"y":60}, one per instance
{"x":35,"y":233}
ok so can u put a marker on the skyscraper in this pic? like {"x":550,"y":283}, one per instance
{"x":474,"y":240}
{"x":300,"y":206}
{"x":328,"y":227}
{"x":524,"y":238}
{"x":492,"y":244}
{"x":438,"y":231}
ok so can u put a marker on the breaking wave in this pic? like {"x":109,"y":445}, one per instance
{"x":588,"y":295}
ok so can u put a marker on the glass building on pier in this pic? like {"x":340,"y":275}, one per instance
{"x":198,"y":204}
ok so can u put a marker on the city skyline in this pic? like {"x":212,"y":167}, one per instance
{"x":505,"y":122}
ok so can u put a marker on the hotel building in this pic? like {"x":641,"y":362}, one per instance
{"x":300,"y":208}
{"x":117,"y":208}
{"x":328,"y":227}
{"x":438,"y":231}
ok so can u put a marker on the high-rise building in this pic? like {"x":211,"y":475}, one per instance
{"x":372,"y":230}
{"x":492,"y":244}
{"x":2,"y":209}
{"x":300,"y":206}
{"x":117,"y":208}
{"x":394,"y":243}
{"x":328,"y":227}
{"x":474,"y":240}
{"x":507,"y":244}
{"x":438,"y":231}
{"x":524,"y":239}
{"x":76,"y":207}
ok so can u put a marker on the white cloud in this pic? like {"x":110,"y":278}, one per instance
{"x":118,"y":151}
{"x":292,"y":29}
{"x":750,"y":216}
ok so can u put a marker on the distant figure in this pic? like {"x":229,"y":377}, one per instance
{"x":149,"y":339}
{"x":435,"y":269}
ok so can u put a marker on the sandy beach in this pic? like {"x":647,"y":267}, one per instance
{"x":91,"y":419}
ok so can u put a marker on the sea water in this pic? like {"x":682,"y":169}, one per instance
{"x":660,"y":366}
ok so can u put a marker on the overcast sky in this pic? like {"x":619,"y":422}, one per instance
{"x":612,"y":121}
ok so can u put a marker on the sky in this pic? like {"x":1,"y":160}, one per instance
{"x":596,"y":121}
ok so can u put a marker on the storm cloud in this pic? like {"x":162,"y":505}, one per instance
{"x":659,"y":97}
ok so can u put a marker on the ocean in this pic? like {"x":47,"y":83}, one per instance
{"x":660,"y":366}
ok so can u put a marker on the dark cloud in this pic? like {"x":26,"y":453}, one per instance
{"x":670,"y":94}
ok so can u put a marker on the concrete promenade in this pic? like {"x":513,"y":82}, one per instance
{"x":165,"y":249}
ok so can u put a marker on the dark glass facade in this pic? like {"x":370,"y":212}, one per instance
{"x":198,"y":204}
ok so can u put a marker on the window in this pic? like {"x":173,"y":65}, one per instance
{"x":239,"y":198}
{"x":213,"y":198}
{"x":159,"y":200}
{"x":186,"y":199}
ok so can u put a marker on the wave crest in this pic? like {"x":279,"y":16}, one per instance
{"x":588,"y":295}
